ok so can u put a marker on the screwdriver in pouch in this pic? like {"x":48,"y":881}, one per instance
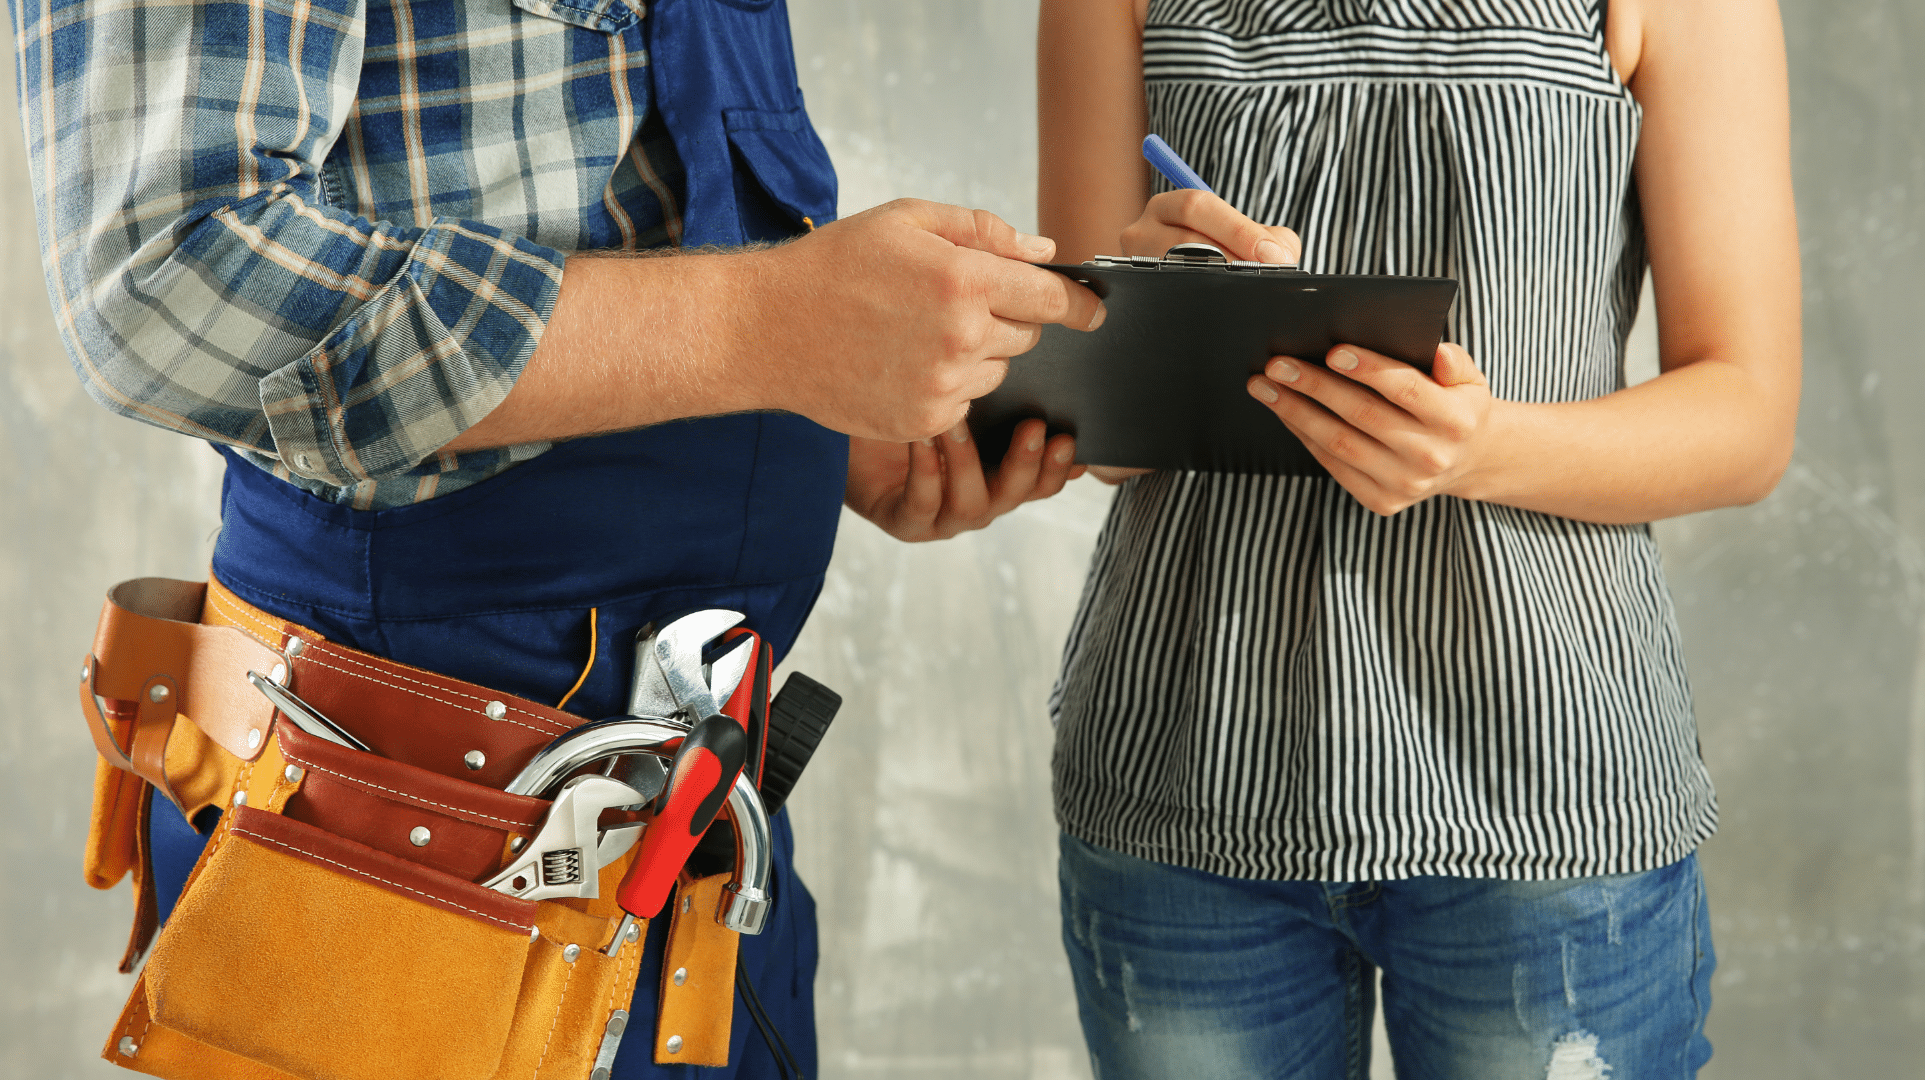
{"x":699,"y":779}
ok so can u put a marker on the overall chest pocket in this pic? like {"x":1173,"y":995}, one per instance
{"x":784,"y":181}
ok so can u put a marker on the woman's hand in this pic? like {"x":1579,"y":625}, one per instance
{"x":1390,"y":434}
{"x":936,"y":488}
{"x":1198,"y":217}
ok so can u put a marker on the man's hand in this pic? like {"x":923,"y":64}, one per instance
{"x":1390,"y":434}
{"x":886,"y":325}
{"x":932,"y":489}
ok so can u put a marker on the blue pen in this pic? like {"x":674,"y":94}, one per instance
{"x":1172,"y":167}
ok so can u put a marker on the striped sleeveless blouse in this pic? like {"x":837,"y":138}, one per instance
{"x":1266,"y":680}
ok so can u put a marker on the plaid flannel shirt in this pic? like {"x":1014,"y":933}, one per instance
{"x":329,"y":232}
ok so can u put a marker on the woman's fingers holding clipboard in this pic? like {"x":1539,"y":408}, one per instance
{"x":1390,"y":434}
{"x":1200,"y":217}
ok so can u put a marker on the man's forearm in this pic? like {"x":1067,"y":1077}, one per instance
{"x":884,"y":325}
{"x":632,"y":342}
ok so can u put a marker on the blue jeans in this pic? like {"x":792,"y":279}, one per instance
{"x":1186,"y":974}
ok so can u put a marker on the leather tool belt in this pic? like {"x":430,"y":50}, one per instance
{"x":333,"y":927}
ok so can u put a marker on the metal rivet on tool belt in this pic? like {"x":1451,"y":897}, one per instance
{"x":86,"y":671}
{"x":278,"y":676}
{"x":128,"y":1047}
{"x":634,"y":933}
{"x":293,"y":774}
{"x":240,"y":798}
{"x":495,"y":710}
{"x":474,"y":759}
{"x":681,"y":976}
{"x":571,"y":953}
{"x":253,"y":738}
{"x":158,"y":693}
{"x":418,"y":836}
{"x":685,"y":903}
{"x":534,"y":934}
{"x":674,"y":1044}
{"x":295,"y":647}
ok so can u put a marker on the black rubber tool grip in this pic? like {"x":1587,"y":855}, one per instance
{"x":798,"y":719}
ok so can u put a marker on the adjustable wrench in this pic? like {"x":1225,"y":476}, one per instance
{"x":686,"y":696}
{"x":567,"y":855}
{"x":669,"y":671}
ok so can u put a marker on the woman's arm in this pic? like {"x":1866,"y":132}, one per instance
{"x":1092,"y":180}
{"x":1715,"y":428}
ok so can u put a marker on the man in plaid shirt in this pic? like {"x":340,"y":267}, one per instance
{"x":332,"y":236}
{"x":380,"y":252}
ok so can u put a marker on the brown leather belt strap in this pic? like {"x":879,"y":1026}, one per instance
{"x":425,"y":719}
{"x":152,"y":660}
{"x":167,"y":648}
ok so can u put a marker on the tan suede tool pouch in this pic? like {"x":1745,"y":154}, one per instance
{"x":380,"y":967}
{"x":351,"y":879}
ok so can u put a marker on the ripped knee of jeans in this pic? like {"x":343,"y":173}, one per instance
{"x":1574,"y":1057}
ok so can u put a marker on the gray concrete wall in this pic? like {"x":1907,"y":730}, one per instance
{"x":925,"y":823}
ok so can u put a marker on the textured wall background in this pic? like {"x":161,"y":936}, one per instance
{"x":925,"y":822}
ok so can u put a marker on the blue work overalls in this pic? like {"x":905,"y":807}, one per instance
{"x":493,"y":583}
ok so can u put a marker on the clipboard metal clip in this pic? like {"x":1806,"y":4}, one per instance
{"x":1207,"y":257}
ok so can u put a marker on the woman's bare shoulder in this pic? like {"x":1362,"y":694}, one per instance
{"x":1623,"y":36}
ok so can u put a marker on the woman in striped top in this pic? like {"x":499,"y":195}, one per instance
{"x":1428,"y":715}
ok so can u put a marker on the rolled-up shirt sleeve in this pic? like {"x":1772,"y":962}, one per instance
{"x":203,"y":278}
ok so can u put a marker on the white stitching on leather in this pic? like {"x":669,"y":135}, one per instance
{"x":364,"y":664}
{"x":560,"y":1004}
{"x":403,"y":794}
{"x":523,"y":927}
{"x":314,"y":653}
{"x":628,"y":981}
{"x":242,"y":615}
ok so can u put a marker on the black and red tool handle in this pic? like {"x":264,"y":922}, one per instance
{"x":699,"y":779}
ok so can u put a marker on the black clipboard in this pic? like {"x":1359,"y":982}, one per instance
{"x":1161,"y":384}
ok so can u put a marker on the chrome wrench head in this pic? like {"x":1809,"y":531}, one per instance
{"x":677,"y":653}
{"x":728,"y":671}
{"x":649,"y":694}
{"x":600,"y":740}
{"x":566,"y":856}
{"x":688,"y":695}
